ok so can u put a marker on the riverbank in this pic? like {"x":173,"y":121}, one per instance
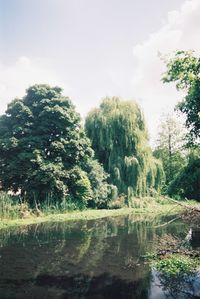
{"x":152,"y":206}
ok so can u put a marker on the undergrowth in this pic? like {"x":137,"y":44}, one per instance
{"x":176,"y":264}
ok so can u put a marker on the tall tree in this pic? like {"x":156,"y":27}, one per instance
{"x":43,"y":147}
{"x":170,"y":146}
{"x":187,"y":183}
{"x":119,"y":137}
{"x":184,"y":69}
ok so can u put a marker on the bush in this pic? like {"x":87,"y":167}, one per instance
{"x":187,"y":183}
{"x":118,"y":203}
{"x":102,"y":192}
{"x":176,"y":264}
{"x":11,"y":207}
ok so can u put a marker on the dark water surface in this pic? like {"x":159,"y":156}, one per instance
{"x":87,"y":259}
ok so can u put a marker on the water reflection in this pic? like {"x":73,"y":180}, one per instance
{"x":86,"y":259}
{"x":184,"y":286}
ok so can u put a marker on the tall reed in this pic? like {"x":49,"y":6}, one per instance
{"x":9,"y":206}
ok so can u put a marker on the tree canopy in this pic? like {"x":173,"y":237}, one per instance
{"x":184,"y":69}
{"x":43,"y":148}
{"x":119,"y":138}
{"x":187,"y":182}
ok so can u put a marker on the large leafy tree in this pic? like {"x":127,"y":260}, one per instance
{"x":187,"y":183}
{"x":120,"y":140}
{"x":170,"y":146}
{"x":184,"y":69}
{"x":43,"y":147}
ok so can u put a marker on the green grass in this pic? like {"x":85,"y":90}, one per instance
{"x":13,"y":212}
{"x":151,"y":207}
{"x":74,"y":215}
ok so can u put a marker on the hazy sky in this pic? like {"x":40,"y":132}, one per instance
{"x":95,"y":48}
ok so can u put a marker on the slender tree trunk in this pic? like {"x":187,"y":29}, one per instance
{"x":170,"y":155}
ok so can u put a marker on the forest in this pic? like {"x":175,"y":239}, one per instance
{"x":49,"y":160}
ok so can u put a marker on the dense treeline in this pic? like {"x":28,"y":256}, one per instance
{"x":187,"y":182}
{"x":47,"y":156}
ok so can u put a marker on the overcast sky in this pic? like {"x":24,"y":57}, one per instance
{"x":95,"y":48}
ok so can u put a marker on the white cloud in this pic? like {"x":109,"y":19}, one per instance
{"x":181,"y":30}
{"x":15,"y":79}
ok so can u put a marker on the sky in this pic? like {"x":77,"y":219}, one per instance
{"x":96,"y":48}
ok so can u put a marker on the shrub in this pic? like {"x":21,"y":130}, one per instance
{"x":187,"y":183}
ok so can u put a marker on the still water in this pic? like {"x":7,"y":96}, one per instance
{"x":88,"y":259}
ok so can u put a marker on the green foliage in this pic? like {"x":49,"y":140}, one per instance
{"x":187,"y":183}
{"x":170,"y":146}
{"x":184,"y":69}
{"x":102,"y":192}
{"x":7,"y":209}
{"x":178,"y":275}
{"x":79,"y":186}
{"x":171,"y":165}
{"x":119,"y":138}
{"x":119,"y":202}
{"x":58,"y":206}
{"x":176,"y":264}
{"x":43,"y":147}
{"x":12,"y":207}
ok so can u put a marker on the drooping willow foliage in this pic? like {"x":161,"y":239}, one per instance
{"x":119,"y":137}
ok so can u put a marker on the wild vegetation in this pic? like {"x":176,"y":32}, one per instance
{"x":55,"y":165}
{"x":44,"y":153}
{"x":170,"y":146}
{"x":52,"y":169}
{"x":184,"y":69}
{"x":187,"y":183}
{"x":119,"y":138}
{"x":15,"y":212}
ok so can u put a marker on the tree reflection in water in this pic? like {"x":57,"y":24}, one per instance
{"x":82,"y":259}
{"x":183,"y":285}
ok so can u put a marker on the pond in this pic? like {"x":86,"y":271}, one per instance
{"x":93,"y":259}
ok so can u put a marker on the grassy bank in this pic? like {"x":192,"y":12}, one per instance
{"x":143,"y":205}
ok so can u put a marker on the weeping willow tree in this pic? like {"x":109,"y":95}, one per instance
{"x":119,"y":137}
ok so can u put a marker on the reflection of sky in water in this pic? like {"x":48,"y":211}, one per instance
{"x":156,"y":292}
{"x":181,"y":288}
{"x":197,"y":286}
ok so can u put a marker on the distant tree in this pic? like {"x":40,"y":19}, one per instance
{"x":119,"y":138}
{"x":170,"y":146}
{"x":184,"y":69}
{"x":43,"y":147}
